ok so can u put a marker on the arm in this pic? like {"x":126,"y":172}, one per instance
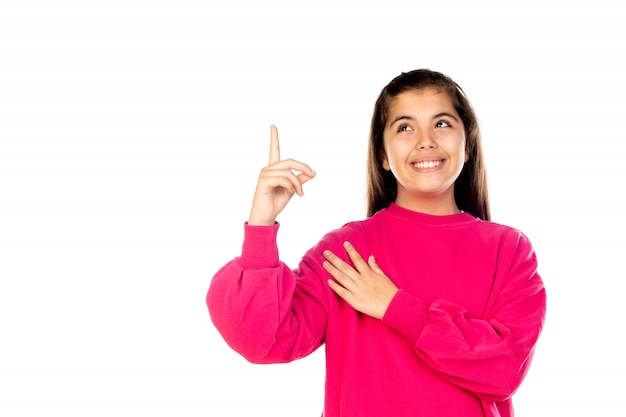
{"x":265,"y":311}
{"x":487,"y":355}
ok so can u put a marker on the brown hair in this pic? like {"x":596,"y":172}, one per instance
{"x":470,"y":188}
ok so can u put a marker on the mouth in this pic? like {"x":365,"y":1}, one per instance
{"x":427,"y":164}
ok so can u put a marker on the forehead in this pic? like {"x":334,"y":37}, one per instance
{"x":426,"y":101}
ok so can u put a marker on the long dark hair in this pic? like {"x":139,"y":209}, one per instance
{"x":470,"y":188}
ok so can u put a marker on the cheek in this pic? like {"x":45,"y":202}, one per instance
{"x":463,"y":150}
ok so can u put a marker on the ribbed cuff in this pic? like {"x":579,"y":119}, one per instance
{"x":259,"y":248}
{"x":407,"y":314}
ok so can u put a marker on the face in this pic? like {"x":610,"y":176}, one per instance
{"x":424,"y":148}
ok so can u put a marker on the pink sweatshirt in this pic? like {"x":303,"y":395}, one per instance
{"x":457,"y":339}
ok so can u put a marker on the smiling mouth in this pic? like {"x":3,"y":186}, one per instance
{"x":427,"y":164}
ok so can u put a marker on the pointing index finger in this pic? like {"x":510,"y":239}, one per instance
{"x":274,"y":146}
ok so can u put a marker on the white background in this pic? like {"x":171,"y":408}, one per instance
{"x":132,"y":133}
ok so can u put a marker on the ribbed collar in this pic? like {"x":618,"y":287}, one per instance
{"x":429,"y":219}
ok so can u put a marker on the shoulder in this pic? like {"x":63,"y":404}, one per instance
{"x":349,"y":231}
{"x":356,"y":232}
{"x":501,"y":231}
{"x":510,"y":243}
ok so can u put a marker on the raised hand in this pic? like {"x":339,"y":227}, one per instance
{"x":365,"y":286}
{"x":277,"y":183}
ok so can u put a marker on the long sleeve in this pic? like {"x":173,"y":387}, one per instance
{"x":264,"y":310}
{"x":487,"y":355}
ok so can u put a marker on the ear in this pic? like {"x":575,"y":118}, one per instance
{"x":384,"y":161}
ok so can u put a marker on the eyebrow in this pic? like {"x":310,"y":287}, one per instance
{"x":436,"y":116}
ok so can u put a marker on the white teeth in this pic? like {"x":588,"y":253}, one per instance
{"x":427,"y":164}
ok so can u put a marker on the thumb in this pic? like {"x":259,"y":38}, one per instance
{"x":304,"y":178}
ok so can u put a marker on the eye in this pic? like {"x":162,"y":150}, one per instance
{"x":442,"y":123}
{"x":404,"y":128}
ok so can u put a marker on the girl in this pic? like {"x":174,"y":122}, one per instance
{"x":425,"y":308}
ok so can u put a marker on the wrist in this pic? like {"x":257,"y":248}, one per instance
{"x":259,"y":222}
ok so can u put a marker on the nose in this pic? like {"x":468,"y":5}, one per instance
{"x":425,"y":141}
